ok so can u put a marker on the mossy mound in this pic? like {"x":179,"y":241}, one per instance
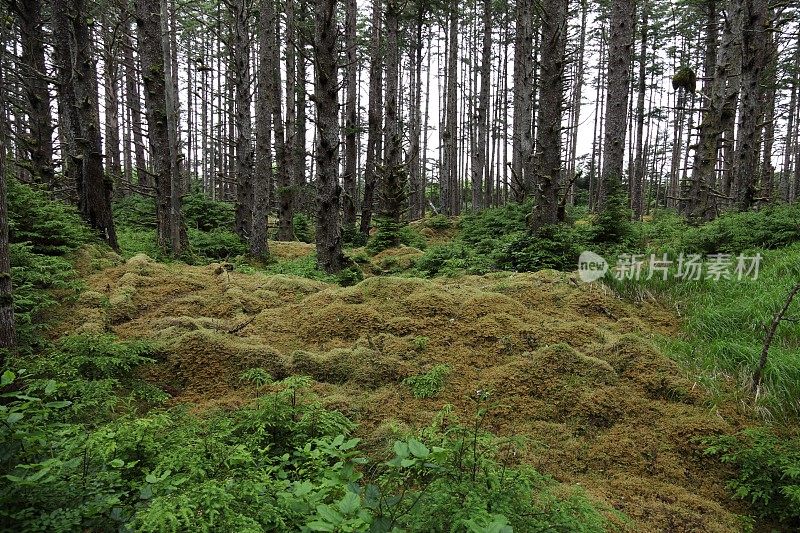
{"x":569,"y":367}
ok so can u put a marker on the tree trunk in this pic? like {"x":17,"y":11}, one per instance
{"x":264,"y":105}
{"x":171,"y":232}
{"x":637,"y":187}
{"x":7,"y":329}
{"x":448,"y":179}
{"x":522,"y":147}
{"x":244,"y":149}
{"x":39,"y":143}
{"x":374,"y":133}
{"x":328,"y":235}
{"x":111,"y":98}
{"x":479,"y":163}
{"x":78,"y":79}
{"x":754,"y":62}
{"x":619,"y":60}
{"x":550,"y":113}
{"x":351,"y":118}
{"x":135,"y":109}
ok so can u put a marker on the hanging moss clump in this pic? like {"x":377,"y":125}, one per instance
{"x":685,"y":79}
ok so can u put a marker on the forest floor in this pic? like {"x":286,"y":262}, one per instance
{"x":572,"y":370}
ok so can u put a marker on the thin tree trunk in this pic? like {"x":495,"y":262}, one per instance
{"x":637,"y":178}
{"x":479,"y":164}
{"x":374,"y":133}
{"x":7,"y":327}
{"x":351,"y":119}
{"x":522,"y":148}
{"x":244,"y":149}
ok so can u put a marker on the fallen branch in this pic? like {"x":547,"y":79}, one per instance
{"x":773,"y":327}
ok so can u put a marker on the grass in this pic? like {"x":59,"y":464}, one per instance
{"x":724,"y":325}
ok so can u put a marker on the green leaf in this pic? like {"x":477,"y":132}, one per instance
{"x":328,"y":514}
{"x":50,"y":387}
{"x":350,"y":503}
{"x":401,"y":449}
{"x":418,"y":449}
{"x":14,"y":417}
{"x":7,"y":377}
{"x":58,"y":405}
{"x":117,"y":463}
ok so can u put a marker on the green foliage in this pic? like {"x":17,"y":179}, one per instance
{"x":555,"y":246}
{"x":135,"y":211}
{"x":49,"y":226}
{"x":352,"y":236}
{"x":453,"y":259}
{"x":438,"y":222}
{"x":349,"y":276}
{"x":202,"y":213}
{"x":303,"y":228}
{"x":390,"y":234}
{"x":421,"y":343}
{"x":768,"y":472}
{"x":218,"y":243}
{"x":430,"y":383}
{"x":613,"y":225}
{"x":305,"y":267}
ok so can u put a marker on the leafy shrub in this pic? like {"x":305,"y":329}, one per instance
{"x":768,"y":475}
{"x":429,"y":384}
{"x":51,"y":227}
{"x":452,"y":259}
{"x":303,"y":228}
{"x":556,"y":246}
{"x":305,"y":267}
{"x":202,"y":213}
{"x":216,"y":244}
{"x":438,"y":222}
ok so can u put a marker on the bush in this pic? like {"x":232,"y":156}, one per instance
{"x":216,"y":244}
{"x":768,"y":475}
{"x":429,"y":384}
{"x":452,"y":259}
{"x":303,"y":228}
{"x":438,"y":222}
{"x":556,"y":246}
{"x":51,"y":227}
{"x":202,"y":213}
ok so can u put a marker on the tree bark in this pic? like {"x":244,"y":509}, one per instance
{"x":351,"y":118}
{"x":244,"y":149}
{"x":550,"y":113}
{"x":39,"y":144}
{"x":170,"y":229}
{"x":754,"y":61}
{"x":7,"y":326}
{"x":480,"y":174}
{"x":623,"y":14}
{"x":259,"y":246}
{"x":328,"y":235}
{"x":637,"y":188}
{"x":374,"y":133}
{"x":78,"y":79}
{"x":522,"y":143}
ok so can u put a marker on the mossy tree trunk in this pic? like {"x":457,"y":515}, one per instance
{"x":7,"y":329}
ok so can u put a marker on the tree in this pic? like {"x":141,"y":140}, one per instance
{"x":259,"y":246}
{"x":374,"y":129}
{"x":7,"y":329}
{"x":548,"y":136}
{"x":522,"y":149}
{"x":244,"y":150}
{"x":448,"y":176}
{"x":170,"y":229}
{"x":620,"y":46}
{"x":328,"y":235}
{"x":77,"y":75}
{"x":351,"y":118}
{"x":754,"y":62}
{"x":39,"y":143}
{"x":479,"y":166}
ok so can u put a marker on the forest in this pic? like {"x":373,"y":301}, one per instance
{"x":310,"y":265}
